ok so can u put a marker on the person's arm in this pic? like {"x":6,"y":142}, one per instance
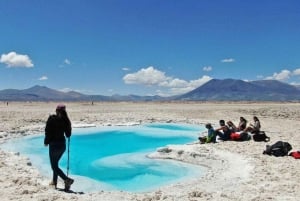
{"x":231,"y":124}
{"x":257,"y":125}
{"x":48,"y":130}
{"x":67,"y":126}
{"x":218,"y":129}
{"x":68,"y":130}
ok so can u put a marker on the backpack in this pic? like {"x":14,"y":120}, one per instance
{"x":295,"y":154}
{"x":235,"y":136}
{"x":280,"y":148}
{"x":244,"y":136}
{"x":261,"y":136}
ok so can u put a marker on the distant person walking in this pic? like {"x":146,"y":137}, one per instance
{"x":57,"y":127}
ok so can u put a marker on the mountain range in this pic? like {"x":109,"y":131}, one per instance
{"x":213,"y":90}
{"x":231,"y":89}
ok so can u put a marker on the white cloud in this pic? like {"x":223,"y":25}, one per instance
{"x":228,"y":60}
{"x":173,"y":83}
{"x":146,"y":76}
{"x":66,"y":89}
{"x":67,"y":61}
{"x":282,"y":76}
{"x":189,"y":86}
{"x":125,"y":69}
{"x":200,"y":81}
{"x":43,"y":78}
{"x":296,"y":72}
{"x":13,"y":59}
{"x":173,"y":86}
{"x":207,"y":68}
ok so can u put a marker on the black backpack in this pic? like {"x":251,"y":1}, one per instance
{"x":244,"y":136}
{"x":261,"y":137}
{"x":280,"y":148}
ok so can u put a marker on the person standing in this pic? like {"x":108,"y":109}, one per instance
{"x":58,"y":127}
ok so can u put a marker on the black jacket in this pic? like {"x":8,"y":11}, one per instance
{"x":56,"y":130}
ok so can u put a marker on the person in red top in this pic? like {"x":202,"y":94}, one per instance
{"x":58,"y":127}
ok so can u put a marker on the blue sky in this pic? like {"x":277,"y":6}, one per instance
{"x":146,"y":47}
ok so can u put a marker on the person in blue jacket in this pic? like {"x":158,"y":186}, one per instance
{"x":211,"y":135}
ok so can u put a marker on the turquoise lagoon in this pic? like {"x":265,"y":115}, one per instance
{"x":115,"y":158}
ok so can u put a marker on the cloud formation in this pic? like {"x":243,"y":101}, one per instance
{"x":43,"y":78}
{"x":67,"y":61}
{"x":207,"y":68}
{"x":284,"y":75}
{"x":146,"y":76}
{"x":12,"y":59}
{"x":296,"y":72}
{"x":153,"y":77}
{"x":228,"y":60}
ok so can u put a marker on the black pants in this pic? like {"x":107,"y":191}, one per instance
{"x":56,"y":150}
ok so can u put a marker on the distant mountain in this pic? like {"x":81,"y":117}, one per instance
{"x":42,"y":93}
{"x":297,"y":86}
{"x":213,"y":90}
{"x":238,"y":90}
{"x":38,"y":93}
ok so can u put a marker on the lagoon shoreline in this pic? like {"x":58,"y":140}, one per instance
{"x":236,"y":170}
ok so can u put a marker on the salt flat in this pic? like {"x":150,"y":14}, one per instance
{"x":237,"y":170}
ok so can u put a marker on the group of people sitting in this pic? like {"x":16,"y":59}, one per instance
{"x":230,"y":131}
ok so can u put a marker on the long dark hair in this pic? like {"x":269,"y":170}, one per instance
{"x":65,"y":117}
{"x":243,"y":119}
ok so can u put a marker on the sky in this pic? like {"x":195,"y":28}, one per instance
{"x":146,"y":47}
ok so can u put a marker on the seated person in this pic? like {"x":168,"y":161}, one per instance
{"x":225,"y":134}
{"x":253,"y":128}
{"x":211,"y":137}
{"x":242,"y":125}
{"x":231,"y":126}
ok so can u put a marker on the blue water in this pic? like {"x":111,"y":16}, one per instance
{"x":115,"y":158}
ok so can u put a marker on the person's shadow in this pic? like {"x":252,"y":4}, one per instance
{"x":69,"y":191}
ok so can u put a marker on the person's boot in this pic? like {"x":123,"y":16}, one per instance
{"x":53,"y":184}
{"x":68,"y":183}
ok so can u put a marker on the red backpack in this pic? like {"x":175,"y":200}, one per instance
{"x":235,"y":136}
{"x":295,"y":154}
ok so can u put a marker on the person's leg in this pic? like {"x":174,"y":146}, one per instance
{"x":227,"y":135}
{"x":54,"y":178}
{"x":56,"y":152}
{"x":220,"y":134}
{"x":214,"y":139}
